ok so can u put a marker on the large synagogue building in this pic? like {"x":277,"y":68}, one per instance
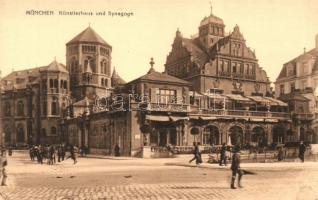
{"x":212,"y":91}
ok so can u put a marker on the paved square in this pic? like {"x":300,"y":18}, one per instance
{"x":132,"y":178}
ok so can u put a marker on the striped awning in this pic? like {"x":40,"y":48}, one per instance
{"x":237,"y":97}
{"x":159,"y":118}
{"x":207,"y":117}
{"x":256,"y":119}
{"x":271,"y":120}
{"x":261,"y":100}
{"x":276,"y":101}
{"x":177,"y":118}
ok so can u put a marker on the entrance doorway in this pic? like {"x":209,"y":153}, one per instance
{"x":236,"y":135}
{"x":259,"y":137}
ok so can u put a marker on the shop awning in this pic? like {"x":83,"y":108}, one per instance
{"x":261,"y":100}
{"x":159,"y":118}
{"x":276,"y":101}
{"x":207,"y":117}
{"x":176,"y":118}
{"x":271,"y":120}
{"x":215,"y":96}
{"x":237,"y":97}
{"x":256,"y":119}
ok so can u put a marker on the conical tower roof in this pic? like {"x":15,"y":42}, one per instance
{"x":88,"y":35}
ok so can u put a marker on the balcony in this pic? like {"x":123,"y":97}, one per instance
{"x":303,"y":116}
{"x":244,"y":114}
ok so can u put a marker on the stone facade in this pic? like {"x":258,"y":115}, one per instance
{"x":33,"y":101}
{"x":212,"y":92}
{"x":297,"y":84}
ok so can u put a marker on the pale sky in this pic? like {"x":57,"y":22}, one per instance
{"x":278,"y":30}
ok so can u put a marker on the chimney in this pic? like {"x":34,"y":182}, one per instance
{"x":317,"y":42}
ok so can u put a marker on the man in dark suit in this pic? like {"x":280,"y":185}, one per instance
{"x":235,"y":167}
{"x":302,"y":150}
{"x":223,"y":155}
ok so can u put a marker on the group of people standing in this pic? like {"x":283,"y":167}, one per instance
{"x":49,"y":152}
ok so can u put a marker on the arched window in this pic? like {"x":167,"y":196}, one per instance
{"x":54,"y":106}
{"x":102,"y":82}
{"x":106,"y":82}
{"x":102,"y":69}
{"x":7,"y":109}
{"x":89,"y":61}
{"x":20,"y":108}
{"x":7,"y":134}
{"x":53,"y":130}
{"x":20,"y":133}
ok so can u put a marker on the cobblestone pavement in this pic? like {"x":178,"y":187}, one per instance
{"x":101,"y":179}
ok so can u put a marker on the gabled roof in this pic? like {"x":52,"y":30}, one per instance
{"x":312,"y":54}
{"x":153,"y":75}
{"x":198,"y":55}
{"x":54,"y":67}
{"x":88,"y":35}
{"x":20,"y":79}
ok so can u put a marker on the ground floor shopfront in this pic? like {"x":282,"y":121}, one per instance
{"x":133,"y":131}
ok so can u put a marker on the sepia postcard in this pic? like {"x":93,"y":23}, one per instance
{"x":138,"y":99}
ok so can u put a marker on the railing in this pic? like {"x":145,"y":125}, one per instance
{"x":304,"y":116}
{"x":242,"y":113}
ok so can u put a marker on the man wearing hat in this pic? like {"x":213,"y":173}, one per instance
{"x":3,"y":164}
{"x":235,"y":167}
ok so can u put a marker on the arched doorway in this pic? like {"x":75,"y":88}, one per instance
{"x":211,"y":135}
{"x":259,"y":137}
{"x":7,"y":134}
{"x":236,"y":135}
{"x":20,"y":133}
{"x":278,"y":134}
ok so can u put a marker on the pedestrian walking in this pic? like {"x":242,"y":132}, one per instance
{"x":117,"y":150}
{"x":236,"y":168}
{"x":280,"y":154}
{"x":223,"y":155}
{"x":72,"y":154}
{"x":10,"y":150}
{"x":302,"y":150}
{"x":3,"y":164}
{"x":196,"y":155}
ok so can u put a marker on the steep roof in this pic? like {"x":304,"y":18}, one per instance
{"x":116,"y":78}
{"x":198,"y":55}
{"x":88,"y":35}
{"x":312,"y":54}
{"x":153,"y":75}
{"x":20,"y":79}
{"x":55,"y":67}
